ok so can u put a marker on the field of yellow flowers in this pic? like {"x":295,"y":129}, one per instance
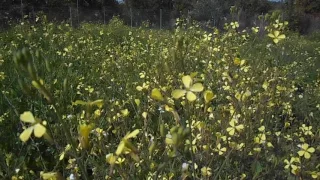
{"x":113,"y":102}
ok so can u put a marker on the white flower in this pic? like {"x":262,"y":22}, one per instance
{"x":72,"y":177}
{"x":185,"y":166}
{"x":70,"y":116}
{"x":17,"y":170}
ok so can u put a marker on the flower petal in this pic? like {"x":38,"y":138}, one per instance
{"x":240,"y":127}
{"x":311,"y":150}
{"x":301,"y":153}
{"x":39,"y":130}
{"x":276,"y":33}
{"x":98,"y":103}
{"x":307,"y":155}
{"x":231,"y":130}
{"x":282,"y":36}
{"x":120,"y":148}
{"x":187,"y":81}
{"x":25,"y":135}
{"x":191,"y":96}
{"x":276,"y":40}
{"x":178,"y":93}
{"x":305,"y":146}
{"x":208,"y":96}
{"x":27,"y":117}
{"x":198,"y":87}
{"x":271,"y":35}
{"x":156,"y":94}
{"x":132,"y":134}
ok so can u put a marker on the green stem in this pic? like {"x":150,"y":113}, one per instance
{"x":222,"y":166}
{"x":72,"y":142}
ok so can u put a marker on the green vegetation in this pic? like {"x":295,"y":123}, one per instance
{"x":113,"y":102}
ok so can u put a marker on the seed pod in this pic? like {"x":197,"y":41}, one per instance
{"x":47,"y":65}
{"x":24,"y":87}
{"x":26,"y":56}
{"x":65,"y":83}
{"x":186,"y":132}
{"x":175,"y":139}
{"x":173,"y":129}
{"x":152,"y":148}
{"x":42,"y":90}
{"x":32,"y":71}
{"x":180,"y":131}
{"x":162,"y":130}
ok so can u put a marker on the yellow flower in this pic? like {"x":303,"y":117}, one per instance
{"x":255,"y":29}
{"x":260,"y":139}
{"x":220,"y":150}
{"x":99,"y":103}
{"x":137,"y":101}
{"x":125,"y":145}
{"x":208,"y":96}
{"x":84,"y":131}
{"x":125,"y":112}
{"x":190,"y":88}
{"x":156,"y":94}
{"x":111,"y":159}
{"x":144,"y":86}
{"x":290,"y":164}
{"x":144,"y":115}
{"x":233,"y":127}
{"x":315,"y":174}
{"x":306,"y":130}
{"x":120,"y":160}
{"x":234,"y":25}
{"x":276,"y":36}
{"x":206,"y":171}
{"x":306,"y":151}
{"x":50,"y":176}
{"x":38,"y":129}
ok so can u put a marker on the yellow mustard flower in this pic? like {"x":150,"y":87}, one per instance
{"x":125,"y":144}
{"x":84,"y":131}
{"x":290,"y":164}
{"x":190,"y":89}
{"x":206,"y":171}
{"x":125,"y":112}
{"x":38,"y":129}
{"x":255,"y":29}
{"x":156,"y":94}
{"x":111,"y":159}
{"x":315,"y":174}
{"x":276,"y":36}
{"x":306,"y":130}
{"x":50,"y":176}
{"x":231,"y":130}
{"x":220,"y":150}
{"x":234,"y":25}
{"x":208,"y":96}
{"x":306,"y":151}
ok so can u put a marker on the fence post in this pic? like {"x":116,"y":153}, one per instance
{"x":160,"y":19}
{"x":21,"y":8}
{"x":104,"y":15}
{"x":78,"y":12}
{"x":70,"y":15}
{"x":33,"y":15}
{"x":131,"y":18}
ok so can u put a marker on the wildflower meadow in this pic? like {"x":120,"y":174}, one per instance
{"x":115,"y":102}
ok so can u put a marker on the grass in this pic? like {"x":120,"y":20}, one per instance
{"x":113,"y":102}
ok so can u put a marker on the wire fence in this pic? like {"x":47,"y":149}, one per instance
{"x":76,"y":15}
{"x":159,"y":18}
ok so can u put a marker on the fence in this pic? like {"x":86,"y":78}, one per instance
{"x":160,"y":18}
